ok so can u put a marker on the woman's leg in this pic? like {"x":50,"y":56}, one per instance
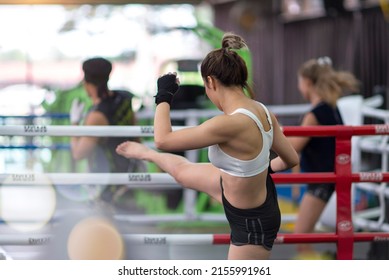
{"x":309,"y":213}
{"x":203,"y":177}
{"x":248,"y":252}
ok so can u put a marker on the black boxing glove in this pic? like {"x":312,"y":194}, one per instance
{"x":167,"y":87}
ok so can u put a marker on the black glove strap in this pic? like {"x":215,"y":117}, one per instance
{"x":163,"y":96}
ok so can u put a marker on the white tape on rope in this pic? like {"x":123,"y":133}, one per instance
{"x":144,"y":179}
{"x":134,"y":239}
{"x":132,"y":180}
{"x":69,"y":130}
{"x":23,"y":240}
{"x":168,"y":239}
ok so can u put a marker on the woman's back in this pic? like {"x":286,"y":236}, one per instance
{"x":244,"y":159}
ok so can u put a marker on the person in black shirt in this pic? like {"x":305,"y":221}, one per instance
{"x":321,"y":85}
{"x":110,"y":107}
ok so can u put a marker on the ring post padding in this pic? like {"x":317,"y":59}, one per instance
{"x":344,"y":224}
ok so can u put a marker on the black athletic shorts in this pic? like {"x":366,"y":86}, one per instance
{"x":322,"y":191}
{"x":257,"y":226}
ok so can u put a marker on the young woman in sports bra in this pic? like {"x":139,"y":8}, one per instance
{"x":239,"y":142}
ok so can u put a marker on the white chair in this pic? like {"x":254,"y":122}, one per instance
{"x":353,"y":109}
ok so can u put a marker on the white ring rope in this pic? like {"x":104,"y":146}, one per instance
{"x":23,"y":240}
{"x":132,"y":239}
{"x":131,"y":179}
{"x":130,"y":131}
{"x":69,"y":130}
{"x":168,"y":239}
{"x":138,"y":179}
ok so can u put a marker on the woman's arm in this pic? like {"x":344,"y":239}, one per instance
{"x":287,"y":155}
{"x":81,"y":147}
{"x":299,"y":143}
{"x":162,"y":124}
{"x":167,"y":86}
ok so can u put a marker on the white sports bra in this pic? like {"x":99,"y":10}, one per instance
{"x":245,"y":168}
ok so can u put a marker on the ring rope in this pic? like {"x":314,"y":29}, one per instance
{"x":156,"y":179}
{"x":70,"y":130}
{"x":143,"y":131}
{"x":199,"y":239}
{"x":138,"y":179}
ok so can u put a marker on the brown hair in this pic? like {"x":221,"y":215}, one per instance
{"x":97,"y":71}
{"x":226,"y":65}
{"x":329,"y":83}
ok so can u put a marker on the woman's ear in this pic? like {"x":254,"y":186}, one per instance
{"x":211,"y":83}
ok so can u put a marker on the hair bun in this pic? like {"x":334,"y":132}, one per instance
{"x":233,"y":41}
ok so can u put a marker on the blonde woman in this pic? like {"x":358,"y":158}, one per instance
{"x":321,"y":85}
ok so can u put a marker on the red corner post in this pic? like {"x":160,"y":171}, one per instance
{"x":344,"y":224}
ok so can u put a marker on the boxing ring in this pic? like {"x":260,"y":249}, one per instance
{"x":344,"y":236}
